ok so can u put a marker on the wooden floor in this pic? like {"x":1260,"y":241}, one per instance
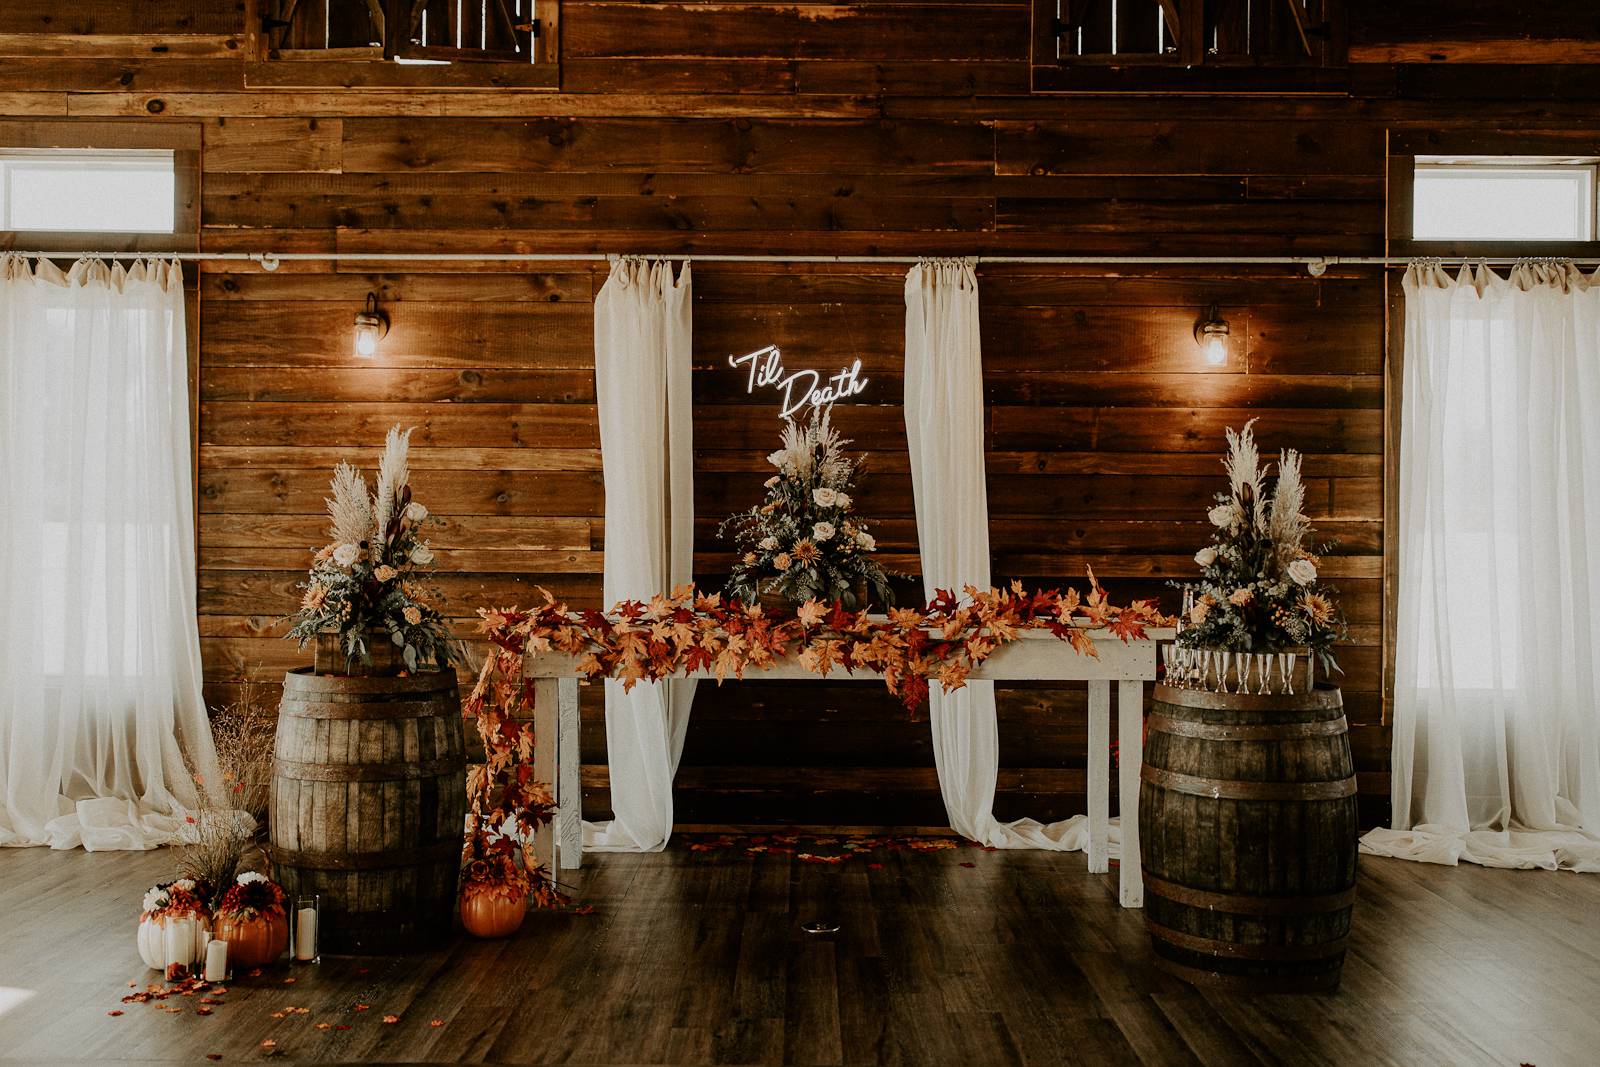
{"x":958,"y":957}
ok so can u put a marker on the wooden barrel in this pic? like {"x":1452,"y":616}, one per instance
{"x":1247,"y":828}
{"x":369,"y":805}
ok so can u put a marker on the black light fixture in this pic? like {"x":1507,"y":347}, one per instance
{"x":372,"y":326}
{"x":1211,"y":334}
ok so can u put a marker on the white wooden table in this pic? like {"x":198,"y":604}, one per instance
{"x":1037,"y":656}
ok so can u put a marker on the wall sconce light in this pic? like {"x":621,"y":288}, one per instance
{"x":1212,"y":336}
{"x":372,"y":326}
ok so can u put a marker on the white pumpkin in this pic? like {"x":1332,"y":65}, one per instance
{"x":187,"y":932}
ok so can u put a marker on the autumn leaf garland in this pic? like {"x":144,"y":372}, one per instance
{"x":689,"y":631}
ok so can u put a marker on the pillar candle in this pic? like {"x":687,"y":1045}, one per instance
{"x":216,"y":961}
{"x":305,"y":934}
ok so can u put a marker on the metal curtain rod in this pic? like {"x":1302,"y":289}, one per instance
{"x":1315,"y":265}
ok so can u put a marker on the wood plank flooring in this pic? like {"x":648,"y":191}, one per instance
{"x":700,"y":958}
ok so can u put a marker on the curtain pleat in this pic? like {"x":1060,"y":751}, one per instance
{"x":642,"y":341}
{"x":1496,"y":706}
{"x":100,"y":676}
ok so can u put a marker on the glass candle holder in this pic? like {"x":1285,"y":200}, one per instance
{"x":306,"y":928}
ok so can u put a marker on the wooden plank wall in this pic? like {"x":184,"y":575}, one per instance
{"x":860,"y":127}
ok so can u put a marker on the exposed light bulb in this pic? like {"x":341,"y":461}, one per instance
{"x":371,"y":325}
{"x":1216,"y":349}
{"x":366,"y":341}
{"x":1211,"y":334}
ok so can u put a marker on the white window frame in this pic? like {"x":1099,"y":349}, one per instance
{"x":137,"y":158}
{"x":1535,"y":167}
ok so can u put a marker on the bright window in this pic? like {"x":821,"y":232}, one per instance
{"x":126,"y":191}
{"x":1506,"y":198}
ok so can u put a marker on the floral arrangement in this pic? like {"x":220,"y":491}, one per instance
{"x":803,"y":542}
{"x":505,"y":803}
{"x":373,"y":577}
{"x":1258,"y":590}
{"x":253,"y":896}
{"x":182,"y":898}
{"x":688,"y":631}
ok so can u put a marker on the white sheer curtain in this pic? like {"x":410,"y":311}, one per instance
{"x":642,"y":338}
{"x":944,"y":428}
{"x":1497,"y":680}
{"x":99,"y":653}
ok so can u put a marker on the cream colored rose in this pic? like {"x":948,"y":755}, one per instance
{"x":769,"y":544}
{"x":1206,"y":556}
{"x":413,"y":615}
{"x":421,"y":556}
{"x":782,"y":561}
{"x":1223,"y":514}
{"x":822,"y":531}
{"x":825,"y":497}
{"x":1303,"y":572}
{"x":385,"y":573}
{"x":867,"y":542}
{"x":841,"y":500}
{"x":416,"y":512}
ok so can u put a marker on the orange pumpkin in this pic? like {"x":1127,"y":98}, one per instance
{"x":253,"y":942}
{"x":492,"y":915}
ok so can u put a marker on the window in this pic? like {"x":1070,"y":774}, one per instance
{"x":1504,"y":198}
{"x":1197,"y":44}
{"x":81,"y":190}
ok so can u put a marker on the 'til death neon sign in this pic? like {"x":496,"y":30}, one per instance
{"x":801,"y":387}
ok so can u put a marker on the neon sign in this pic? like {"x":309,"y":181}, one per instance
{"x":803,"y":386}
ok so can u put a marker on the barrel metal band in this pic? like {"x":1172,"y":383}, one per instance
{"x":419,"y":855}
{"x":1194,"y":785}
{"x":1210,"y":946}
{"x":301,"y":708}
{"x":1165,"y":724}
{"x":367,"y":772}
{"x":1236,"y":904}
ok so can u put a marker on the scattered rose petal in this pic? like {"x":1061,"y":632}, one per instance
{"x":254,"y":972}
{"x":213,"y":1055}
{"x":391,"y":1019}
{"x":969,"y":865}
{"x":219,"y":990}
{"x":278,"y":1014}
{"x":342,"y":1026}
{"x":300,"y":1011}
{"x":324,"y":1026}
{"x":202,"y":1011}
{"x":269,"y":1043}
{"x":362,"y":1007}
{"x":289,"y":981}
{"x":114,"y":1011}
{"x":435,"y":1022}
{"x":874,"y":866}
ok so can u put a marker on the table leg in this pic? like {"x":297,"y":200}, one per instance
{"x":1099,"y":775}
{"x":569,"y":789}
{"x":546,"y":729}
{"x":1130,"y":752}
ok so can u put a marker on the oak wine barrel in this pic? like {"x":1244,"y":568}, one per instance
{"x":1247,"y":829}
{"x":369,"y":804}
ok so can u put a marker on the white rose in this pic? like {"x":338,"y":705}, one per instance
{"x":421,"y":556}
{"x":1206,"y":556}
{"x":780,"y":459}
{"x":1222,"y":514}
{"x":1303,"y":572}
{"x":822,"y":531}
{"x":416,"y":512}
{"x":866,"y":541}
{"x":841,"y":500}
{"x":825,"y":498}
{"x":769,"y":544}
{"x":346,"y":554}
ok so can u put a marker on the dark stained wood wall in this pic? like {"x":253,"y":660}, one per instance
{"x":864,"y":127}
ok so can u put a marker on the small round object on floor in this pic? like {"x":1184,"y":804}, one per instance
{"x":821,"y":926}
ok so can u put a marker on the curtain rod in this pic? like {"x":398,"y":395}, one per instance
{"x":1315,"y":265}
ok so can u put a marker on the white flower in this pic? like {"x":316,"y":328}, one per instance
{"x":185,"y":884}
{"x":841,"y":500}
{"x":772,"y":482}
{"x":416,"y":512}
{"x":421,"y":556}
{"x":867,"y":542}
{"x":781,"y":460}
{"x":1206,"y":556}
{"x":1303,"y":571}
{"x":156,"y":899}
{"x":346,"y":554}
{"x":825,"y":498}
{"x":1223,"y":514}
{"x":769,"y":544}
{"x":251,"y":876}
{"x":822,"y":531}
